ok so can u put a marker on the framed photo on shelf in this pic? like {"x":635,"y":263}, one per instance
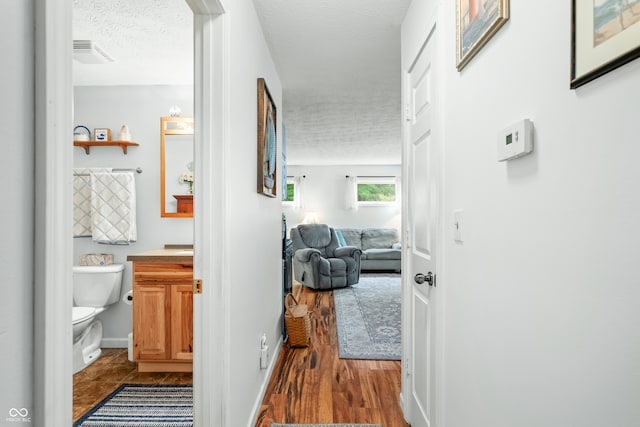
{"x":102,"y":134}
{"x":267,"y":142}
{"x":605,"y":34}
{"x":476,"y":22}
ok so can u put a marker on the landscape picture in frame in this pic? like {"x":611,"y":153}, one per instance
{"x":605,"y":35}
{"x":476,"y":22}
{"x":267,"y":141}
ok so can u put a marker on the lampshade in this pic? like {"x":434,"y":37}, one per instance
{"x":310,"y":218}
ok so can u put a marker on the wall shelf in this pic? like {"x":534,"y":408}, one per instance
{"x":88,"y":144}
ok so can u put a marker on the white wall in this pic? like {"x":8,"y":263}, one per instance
{"x":140,"y":108}
{"x":17,"y":215}
{"x":253,"y":220}
{"x":324,"y":193}
{"x":541,"y":299}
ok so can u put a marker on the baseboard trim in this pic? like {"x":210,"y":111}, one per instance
{"x":402,"y":406}
{"x":114,"y":343}
{"x":263,"y":388}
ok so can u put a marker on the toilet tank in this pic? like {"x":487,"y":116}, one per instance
{"x":97,"y":286}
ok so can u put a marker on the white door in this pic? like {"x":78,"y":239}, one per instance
{"x":423,"y":168}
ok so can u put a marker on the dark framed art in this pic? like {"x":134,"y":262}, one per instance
{"x":605,"y":34}
{"x":476,"y":22}
{"x":267,"y":141}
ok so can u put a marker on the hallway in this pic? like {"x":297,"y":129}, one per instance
{"x":313,"y":385}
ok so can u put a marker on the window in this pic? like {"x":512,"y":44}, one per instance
{"x":377,"y":191}
{"x":289,"y":196}
{"x":293,"y":192}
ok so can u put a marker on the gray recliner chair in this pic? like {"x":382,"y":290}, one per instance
{"x":319,"y":262}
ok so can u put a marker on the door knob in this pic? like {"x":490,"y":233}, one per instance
{"x":421,"y":278}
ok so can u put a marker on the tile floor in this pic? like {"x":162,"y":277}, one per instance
{"x":98,"y":380}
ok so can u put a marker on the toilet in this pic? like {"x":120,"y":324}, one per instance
{"x":94,"y":289}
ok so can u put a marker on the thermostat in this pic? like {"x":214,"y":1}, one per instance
{"x":515,"y":141}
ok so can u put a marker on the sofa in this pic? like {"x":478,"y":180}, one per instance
{"x":381,"y":248}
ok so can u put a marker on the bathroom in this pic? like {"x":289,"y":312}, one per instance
{"x":108,"y":96}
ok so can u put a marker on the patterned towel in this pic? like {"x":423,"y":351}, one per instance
{"x":113,"y":208}
{"x":82,"y":200}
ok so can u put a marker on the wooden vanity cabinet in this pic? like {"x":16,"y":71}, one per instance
{"x":163,"y":316}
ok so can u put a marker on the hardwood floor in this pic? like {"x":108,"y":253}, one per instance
{"x":313,"y":385}
{"x":112,"y":369}
{"x":309,"y":385}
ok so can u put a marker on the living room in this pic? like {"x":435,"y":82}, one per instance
{"x":324,"y":191}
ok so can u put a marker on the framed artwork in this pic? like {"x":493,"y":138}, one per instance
{"x":102,"y":134}
{"x":605,"y":34}
{"x":477,"y":21}
{"x":267,"y":143}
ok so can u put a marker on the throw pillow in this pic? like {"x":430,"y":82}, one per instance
{"x":341,"y":240}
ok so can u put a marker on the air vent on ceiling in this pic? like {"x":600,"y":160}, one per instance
{"x":88,"y":52}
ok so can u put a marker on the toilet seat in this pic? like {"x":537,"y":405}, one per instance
{"x":80,"y":314}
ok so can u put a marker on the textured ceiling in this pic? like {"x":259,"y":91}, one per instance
{"x":338,"y":60}
{"x":150,"y":40}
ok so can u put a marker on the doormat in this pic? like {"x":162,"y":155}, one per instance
{"x":138,"y":405}
{"x":368,"y":318}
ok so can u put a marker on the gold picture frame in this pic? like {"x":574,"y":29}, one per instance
{"x":604,"y":36}
{"x":267,"y":142}
{"x":476,"y":22}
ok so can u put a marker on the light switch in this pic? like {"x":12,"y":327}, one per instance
{"x":457,"y":225}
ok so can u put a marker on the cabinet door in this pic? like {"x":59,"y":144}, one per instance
{"x":182,"y":322}
{"x":151,"y":320}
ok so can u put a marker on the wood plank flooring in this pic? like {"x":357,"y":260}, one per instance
{"x":313,"y":385}
{"x":309,"y":385}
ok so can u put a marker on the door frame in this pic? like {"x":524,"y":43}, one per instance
{"x":429,"y":27}
{"x":53,"y":256}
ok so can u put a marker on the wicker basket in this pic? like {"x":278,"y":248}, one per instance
{"x":297,"y":322}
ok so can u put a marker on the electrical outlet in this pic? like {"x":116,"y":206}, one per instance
{"x":264,"y":352}
{"x":264,"y":357}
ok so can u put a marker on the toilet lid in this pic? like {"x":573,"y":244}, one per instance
{"x":81,"y":314}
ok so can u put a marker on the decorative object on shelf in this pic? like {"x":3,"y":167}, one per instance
{"x":604,"y":36}
{"x":124,"y":134}
{"x":102,"y":134}
{"x":175,"y":111}
{"x":81,"y":133}
{"x":476,"y":22}
{"x":266,"y":141}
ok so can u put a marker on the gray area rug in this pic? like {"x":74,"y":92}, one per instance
{"x":325,"y":425}
{"x":368,"y":318}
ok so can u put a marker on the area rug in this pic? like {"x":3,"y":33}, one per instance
{"x":368,"y":318}
{"x":325,"y":425}
{"x":143,"y":405}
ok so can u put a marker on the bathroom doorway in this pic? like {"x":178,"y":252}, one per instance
{"x":53,"y":399}
{"x":128,"y":74}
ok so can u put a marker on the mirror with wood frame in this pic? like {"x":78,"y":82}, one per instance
{"x":176,"y":167}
